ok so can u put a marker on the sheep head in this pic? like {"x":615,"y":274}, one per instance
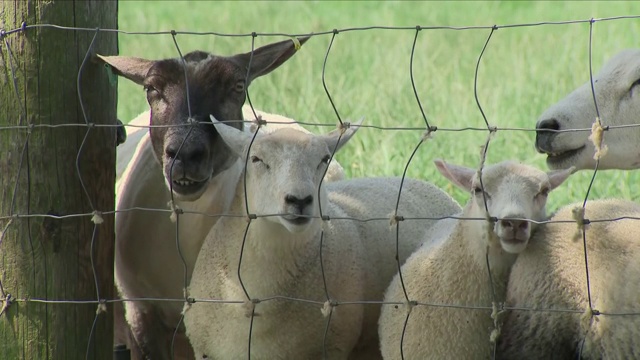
{"x":182,"y":95}
{"x":514,"y":193}
{"x":617,"y":89}
{"x":284,"y":172}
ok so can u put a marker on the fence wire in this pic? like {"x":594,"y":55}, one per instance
{"x":396,"y":219}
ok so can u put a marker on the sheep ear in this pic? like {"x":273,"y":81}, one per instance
{"x":236,"y":140}
{"x":333,"y":137}
{"x":460,"y":176}
{"x":557,"y":177}
{"x":132,"y":68}
{"x":267,"y":58}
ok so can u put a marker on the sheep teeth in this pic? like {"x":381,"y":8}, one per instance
{"x":183,"y":182}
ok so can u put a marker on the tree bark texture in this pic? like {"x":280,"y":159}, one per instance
{"x":47,"y":258}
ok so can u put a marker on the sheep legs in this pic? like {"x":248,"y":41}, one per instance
{"x":153,"y":337}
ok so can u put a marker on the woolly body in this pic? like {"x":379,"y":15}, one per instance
{"x":551,"y":274}
{"x":451,"y":266}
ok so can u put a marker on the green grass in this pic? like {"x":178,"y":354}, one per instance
{"x":524,"y":71}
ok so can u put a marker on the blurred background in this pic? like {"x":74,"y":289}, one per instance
{"x":524,"y":70}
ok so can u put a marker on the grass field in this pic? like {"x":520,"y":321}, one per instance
{"x":523,"y":71}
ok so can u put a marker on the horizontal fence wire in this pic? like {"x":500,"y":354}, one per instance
{"x":395,"y":219}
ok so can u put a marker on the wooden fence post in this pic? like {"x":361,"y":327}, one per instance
{"x":59,"y":171}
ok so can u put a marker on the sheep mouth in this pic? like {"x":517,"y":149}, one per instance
{"x":513,"y":241}
{"x":297,"y":220}
{"x":185,"y":186}
{"x":558,"y":159}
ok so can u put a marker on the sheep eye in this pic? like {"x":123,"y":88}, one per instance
{"x":149,"y":88}
{"x":635,"y":83}
{"x":255,"y":159}
{"x":477,"y":190}
{"x":326,"y":159}
{"x":544,"y":192}
{"x":239,"y":86}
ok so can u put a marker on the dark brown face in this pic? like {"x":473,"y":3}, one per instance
{"x":183,"y":137}
{"x":184,"y":141}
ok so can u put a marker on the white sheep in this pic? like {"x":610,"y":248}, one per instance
{"x":281,"y":254}
{"x":451,"y":266}
{"x":551,"y":275}
{"x":182,"y":151}
{"x":617,"y":88}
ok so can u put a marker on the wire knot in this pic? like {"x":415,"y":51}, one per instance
{"x":578,"y":216}
{"x":97,"y":217}
{"x":174,"y":33}
{"x":251,"y":217}
{"x":427,"y":134}
{"x":296,"y":43}
{"x":335,"y":32}
{"x":254,"y":34}
{"x":418,"y":27}
{"x":250,"y":307}
{"x":102,"y":306}
{"x":6,"y":302}
{"x":328,"y":306}
{"x":409,"y":305}
{"x":496,"y":314}
{"x":175,"y":211}
{"x":597,"y":138}
{"x":23,"y":26}
{"x":394,"y":219}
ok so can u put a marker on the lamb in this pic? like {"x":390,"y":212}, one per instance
{"x":281,"y":254}
{"x":451,"y":266}
{"x":617,"y":88}
{"x":551,"y":274}
{"x":200,"y":178}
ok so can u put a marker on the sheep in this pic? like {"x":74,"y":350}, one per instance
{"x":617,"y":88}
{"x":450,"y":268}
{"x":551,"y":274}
{"x":130,"y":138}
{"x":281,"y":255}
{"x":200,"y":178}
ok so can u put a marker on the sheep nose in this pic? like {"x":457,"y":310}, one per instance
{"x":543,"y":138}
{"x":549,"y":124}
{"x":514,"y":225}
{"x":298,"y":202}
{"x":186,"y":154}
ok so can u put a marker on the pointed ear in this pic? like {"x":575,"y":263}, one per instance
{"x":332,"y":138}
{"x":236,"y":140}
{"x":459,"y":175}
{"x":557,"y":177}
{"x":267,"y":58}
{"x":132,"y":68}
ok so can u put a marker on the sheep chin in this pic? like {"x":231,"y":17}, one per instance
{"x":513,"y":245}
{"x":564,"y":159}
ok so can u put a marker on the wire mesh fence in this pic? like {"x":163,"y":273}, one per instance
{"x":176,"y":210}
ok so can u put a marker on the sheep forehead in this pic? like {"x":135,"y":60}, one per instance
{"x":290,"y":144}
{"x":513,"y":177}
{"x":203,"y":69}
